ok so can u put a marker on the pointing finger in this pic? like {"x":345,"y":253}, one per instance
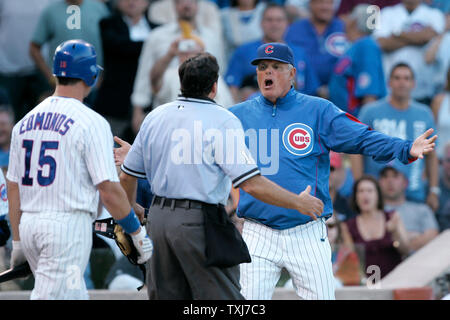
{"x":119,"y":141}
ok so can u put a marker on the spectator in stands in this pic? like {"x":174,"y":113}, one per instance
{"x":399,"y":116}
{"x":165,"y":80}
{"x":420,"y":223}
{"x":347,"y":6}
{"x":437,"y":57}
{"x":441,"y":111}
{"x":123,"y":34}
{"x":241,"y":23}
{"x":163,"y":11}
{"x":274,"y":24}
{"x":64,"y":20}
{"x":296,"y":9}
{"x":18,"y":74}
{"x":381,"y":234}
{"x":61,"y":21}
{"x":341,"y":205}
{"x":322,"y":36}
{"x":405,"y":30}
{"x":345,"y":260}
{"x":156,"y":47}
{"x":6,"y":126}
{"x":358,"y":76}
{"x":443,"y":213}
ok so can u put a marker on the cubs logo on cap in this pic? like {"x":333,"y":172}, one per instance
{"x":274,"y":51}
{"x":268,"y":49}
{"x":298,"y":139}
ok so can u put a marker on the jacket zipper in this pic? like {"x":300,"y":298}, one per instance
{"x":274,"y":110}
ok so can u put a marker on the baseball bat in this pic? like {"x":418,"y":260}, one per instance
{"x":21,"y":271}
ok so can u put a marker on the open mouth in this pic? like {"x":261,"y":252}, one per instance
{"x":268,"y":83}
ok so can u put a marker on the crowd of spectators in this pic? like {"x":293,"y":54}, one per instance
{"x":385,"y":62}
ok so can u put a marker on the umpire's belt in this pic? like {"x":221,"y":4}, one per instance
{"x":176,"y":203}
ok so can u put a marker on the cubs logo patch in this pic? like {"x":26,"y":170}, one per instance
{"x":298,"y":139}
{"x":268,"y":49}
{"x":336,"y":44}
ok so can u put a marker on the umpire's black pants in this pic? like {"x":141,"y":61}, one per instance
{"x":177,"y":268}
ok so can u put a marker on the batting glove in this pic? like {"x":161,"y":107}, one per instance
{"x":143,"y":244}
{"x":17,"y":255}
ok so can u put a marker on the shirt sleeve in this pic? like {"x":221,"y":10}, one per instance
{"x":98,"y":153}
{"x":142,"y":96}
{"x":341,"y":132}
{"x":232,"y":155}
{"x":133,"y":164}
{"x":437,"y":21}
{"x":429,"y":221}
{"x":369,"y":74}
{"x":42,"y":32}
{"x":384,"y":27}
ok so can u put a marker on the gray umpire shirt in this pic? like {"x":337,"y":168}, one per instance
{"x":191,"y":149}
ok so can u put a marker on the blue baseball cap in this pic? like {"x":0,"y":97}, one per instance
{"x":392,"y":165}
{"x":274,"y":51}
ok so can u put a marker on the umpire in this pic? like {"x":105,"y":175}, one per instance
{"x":181,"y":149}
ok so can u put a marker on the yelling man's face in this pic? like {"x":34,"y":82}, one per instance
{"x":274,"y":78}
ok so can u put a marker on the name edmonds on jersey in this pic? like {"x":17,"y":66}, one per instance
{"x":49,"y":121}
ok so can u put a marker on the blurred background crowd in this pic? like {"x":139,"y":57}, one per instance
{"x":384,"y":62}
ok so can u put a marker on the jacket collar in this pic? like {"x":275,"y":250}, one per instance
{"x":205,"y":100}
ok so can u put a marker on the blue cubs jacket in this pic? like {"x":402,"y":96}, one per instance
{"x":291,"y":140}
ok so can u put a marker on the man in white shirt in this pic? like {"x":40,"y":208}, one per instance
{"x":163,"y":11}
{"x":164,"y":79}
{"x":157,"y":45}
{"x":403,"y":32}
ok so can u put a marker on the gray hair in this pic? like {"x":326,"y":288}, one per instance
{"x":363,"y":16}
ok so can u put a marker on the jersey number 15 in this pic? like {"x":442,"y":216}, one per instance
{"x":43,"y":160}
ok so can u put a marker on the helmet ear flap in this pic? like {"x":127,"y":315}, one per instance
{"x":96,"y":74}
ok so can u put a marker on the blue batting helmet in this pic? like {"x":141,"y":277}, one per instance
{"x":76,"y":59}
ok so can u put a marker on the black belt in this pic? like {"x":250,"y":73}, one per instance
{"x":176,"y":203}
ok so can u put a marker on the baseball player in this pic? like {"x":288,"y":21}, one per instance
{"x":61,"y":154}
{"x":302,"y":130}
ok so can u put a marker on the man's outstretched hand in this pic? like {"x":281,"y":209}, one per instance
{"x":422,"y":145}
{"x":121,"y":152}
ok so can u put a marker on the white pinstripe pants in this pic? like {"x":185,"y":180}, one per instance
{"x":57,"y":247}
{"x":300,"y":250}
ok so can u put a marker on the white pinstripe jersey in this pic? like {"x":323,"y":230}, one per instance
{"x":59,"y":151}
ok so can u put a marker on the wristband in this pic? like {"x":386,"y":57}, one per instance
{"x":130,"y":223}
{"x":436,"y":190}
